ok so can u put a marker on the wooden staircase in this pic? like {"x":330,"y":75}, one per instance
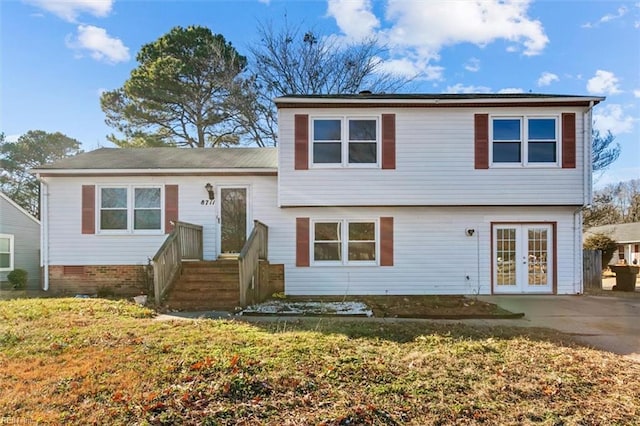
{"x":205,"y":285}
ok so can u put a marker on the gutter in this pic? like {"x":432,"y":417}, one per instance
{"x":44,"y":172}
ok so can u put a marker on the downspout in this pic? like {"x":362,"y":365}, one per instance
{"x":44,"y":231}
{"x":587,"y":196}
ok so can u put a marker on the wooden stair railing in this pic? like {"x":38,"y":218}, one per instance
{"x":184,"y":242}
{"x":254,"y":250}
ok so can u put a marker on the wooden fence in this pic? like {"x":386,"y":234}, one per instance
{"x":592,"y":269}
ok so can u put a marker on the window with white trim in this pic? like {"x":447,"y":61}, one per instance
{"x":345,"y":141}
{"x":6,"y":252}
{"x":130,"y":209}
{"x":523,"y":140}
{"x":345,"y":242}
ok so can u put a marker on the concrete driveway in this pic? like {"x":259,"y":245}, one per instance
{"x":605,"y":322}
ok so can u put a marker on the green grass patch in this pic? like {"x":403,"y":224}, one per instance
{"x":91,"y":361}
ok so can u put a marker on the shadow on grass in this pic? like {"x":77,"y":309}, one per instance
{"x":406,"y":330}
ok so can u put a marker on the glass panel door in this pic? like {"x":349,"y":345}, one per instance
{"x":233,"y":220}
{"x":522,"y":259}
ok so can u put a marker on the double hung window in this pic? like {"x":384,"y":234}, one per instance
{"x":340,"y":242}
{"x":130,"y":209}
{"x":6,"y":252}
{"x":525,"y":141}
{"x":345,"y":141}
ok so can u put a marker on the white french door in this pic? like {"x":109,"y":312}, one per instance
{"x":523,"y":258}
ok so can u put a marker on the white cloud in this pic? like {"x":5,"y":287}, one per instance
{"x":405,"y":67}
{"x":636,"y":93}
{"x":70,"y":9}
{"x":612,"y":118}
{"x":417,"y":31}
{"x":354,"y":17}
{"x":472,"y":65}
{"x":603,"y":83}
{"x":622,"y":10}
{"x":12,"y":138}
{"x":511,"y":90}
{"x":546,"y":78}
{"x":435,"y":24}
{"x":101,"y":46}
{"x":460,"y":88}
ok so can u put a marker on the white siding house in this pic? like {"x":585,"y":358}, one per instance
{"x":366,"y":194}
{"x":19,"y":242}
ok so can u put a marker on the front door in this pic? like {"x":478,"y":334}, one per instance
{"x":522,"y":258}
{"x":233,"y":220}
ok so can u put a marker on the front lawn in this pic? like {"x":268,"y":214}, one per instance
{"x":91,"y":361}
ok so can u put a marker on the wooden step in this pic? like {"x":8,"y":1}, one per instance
{"x":206,"y":285}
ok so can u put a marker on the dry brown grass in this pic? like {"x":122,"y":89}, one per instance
{"x":65,"y":361}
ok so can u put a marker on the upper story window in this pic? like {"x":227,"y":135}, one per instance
{"x":6,"y":252}
{"x":524,"y":140}
{"x":130,"y":209}
{"x":345,"y":141}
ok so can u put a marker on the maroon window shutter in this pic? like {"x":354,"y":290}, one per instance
{"x":569,"y":140}
{"x":481,"y":132}
{"x":88,"y":209}
{"x":170,"y":206}
{"x":302,"y":241}
{"x":386,"y":241}
{"x":388,"y":141}
{"x":301,"y":134}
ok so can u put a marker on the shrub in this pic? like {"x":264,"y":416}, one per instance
{"x":604,"y":243}
{"x":18,"y":278}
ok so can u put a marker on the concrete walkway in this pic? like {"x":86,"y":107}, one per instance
{"x":605,"y":322}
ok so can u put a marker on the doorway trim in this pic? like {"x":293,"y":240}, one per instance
{"x":554,"y":255}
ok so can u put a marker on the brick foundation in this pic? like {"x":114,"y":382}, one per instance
{"x":117,"y":280}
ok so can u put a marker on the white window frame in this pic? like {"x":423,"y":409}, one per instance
{"x":524,"y":142}
{"x":344,"y":241}
{"x":130,"y":211}
{"x":11,"y":252}
{"x":344,"y":142}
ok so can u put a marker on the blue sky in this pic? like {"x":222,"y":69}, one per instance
{"x":58,"y":55}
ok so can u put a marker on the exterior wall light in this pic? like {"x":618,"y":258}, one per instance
{"x":470,"y":232}
{"x":209,"y":188}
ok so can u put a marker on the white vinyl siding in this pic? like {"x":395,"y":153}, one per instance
{"x":432,"y":252}
{"x":24,"y":231}
{"x":434,"y":165}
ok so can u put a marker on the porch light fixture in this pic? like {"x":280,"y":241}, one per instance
{"x":209,"y":188}
{"x":470,"y":232}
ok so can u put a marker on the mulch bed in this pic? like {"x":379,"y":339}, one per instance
{"x":427,"y":307}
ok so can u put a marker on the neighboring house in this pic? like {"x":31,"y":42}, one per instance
{"x":627,"y":235}
{"x":366,"y":194}
{"x":19,"y":242}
